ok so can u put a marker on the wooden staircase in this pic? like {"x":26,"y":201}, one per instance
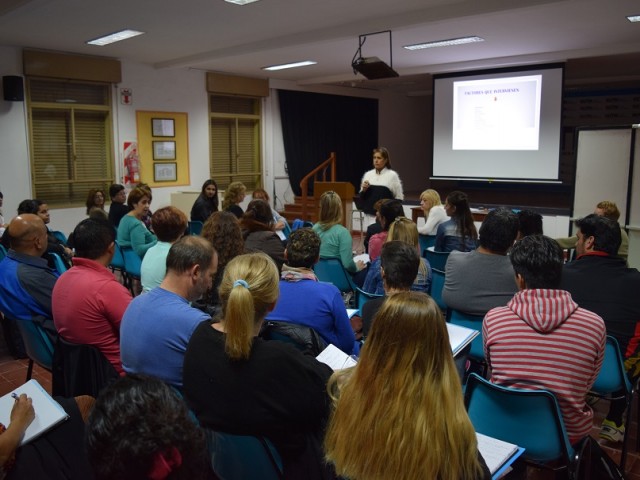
{"x":294,"y":210}
{"x":305,"y":206}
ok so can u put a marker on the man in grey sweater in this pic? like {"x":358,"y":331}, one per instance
{"x":477,"y":281}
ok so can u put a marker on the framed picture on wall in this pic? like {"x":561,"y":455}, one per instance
{"x":163,"y":127}
{"x":164,"y":150}
{"x":165,"y":172}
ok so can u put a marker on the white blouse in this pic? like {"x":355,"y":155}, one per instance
{"x":437,"y":215}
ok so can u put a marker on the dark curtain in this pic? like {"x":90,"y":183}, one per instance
{"x":314,"y":125}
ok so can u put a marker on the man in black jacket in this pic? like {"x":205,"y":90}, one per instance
{"x":600,"y":281}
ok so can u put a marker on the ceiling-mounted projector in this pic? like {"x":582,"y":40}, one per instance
{"x":373,"y":68}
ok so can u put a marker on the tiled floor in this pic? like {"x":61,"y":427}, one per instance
{"x":13,"y":373}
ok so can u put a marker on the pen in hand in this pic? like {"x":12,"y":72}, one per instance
{"x":14,"y":396}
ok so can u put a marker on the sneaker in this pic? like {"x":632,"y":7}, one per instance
{"x":610,"y":431}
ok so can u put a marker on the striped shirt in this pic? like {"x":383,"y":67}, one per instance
{"x":543,"y":340}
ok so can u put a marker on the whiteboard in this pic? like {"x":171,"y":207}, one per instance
{"x":602,"y":170}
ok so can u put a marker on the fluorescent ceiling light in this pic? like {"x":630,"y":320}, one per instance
{"x":634,"y":18}
{"x":289,"y":65}
{"x":114,"y":37}
{"x":240,"y":2}
{"x":444,"y":43}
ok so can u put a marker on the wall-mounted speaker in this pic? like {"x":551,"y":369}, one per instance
{"x":12,"y":88}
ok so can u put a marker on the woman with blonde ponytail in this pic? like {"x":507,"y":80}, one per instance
{"x":399,"y":414}
{"x":236,"y":382}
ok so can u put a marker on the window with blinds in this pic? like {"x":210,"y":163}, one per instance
{"x":235,"y":141}
{"x":71,"y":142}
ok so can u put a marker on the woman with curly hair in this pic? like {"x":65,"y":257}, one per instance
{"x":399,"y":413}
{"x":141,"y":429}
{"x":258,"y":232}
{"x":458,"y":233}
{"x":222,"y":229}
{"x":233,"y":197}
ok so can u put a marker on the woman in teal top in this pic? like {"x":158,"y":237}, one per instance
{"x":131,"y":231}
{"x":335,"y":240}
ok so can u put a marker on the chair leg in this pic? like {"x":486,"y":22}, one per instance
{"x":29,"y":370}
{"x":637,"y":419}
{"x":627,"y":423}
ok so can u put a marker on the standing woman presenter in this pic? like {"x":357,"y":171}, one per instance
{"x":382,"y":175}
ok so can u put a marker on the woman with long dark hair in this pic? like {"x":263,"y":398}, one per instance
{"x":206,"y":203}
{"x":459,"y":232}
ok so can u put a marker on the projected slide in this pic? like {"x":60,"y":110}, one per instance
{"x":497,"y":114}
{"x":498,"y":124}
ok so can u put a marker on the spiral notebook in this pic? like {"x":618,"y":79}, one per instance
{"x":498,"y":455}
{"x":48,"y":412}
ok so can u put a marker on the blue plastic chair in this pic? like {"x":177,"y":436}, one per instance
{"x":426,"y":241}
{"x":437,"y":284}
{"x":527,"y":418}
{"x":437,"y":260}
{"x":195,"y":227}
{"x":330,"y":270}
{"x":476,"y":354}
{"x":611,"y":380}
{"x":132,"y":267}
{"x":363,"y":297}
{"x":58,"y":263}
{"x":236,"y":457}
{"x":60,"y":236}
{"x":37,"y":345}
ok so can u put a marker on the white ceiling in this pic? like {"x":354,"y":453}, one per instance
{"x":217,"y":36}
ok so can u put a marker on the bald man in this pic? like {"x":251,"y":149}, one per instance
{"x":26,"y":281}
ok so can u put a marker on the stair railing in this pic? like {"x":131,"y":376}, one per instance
{"x":318,"y":174}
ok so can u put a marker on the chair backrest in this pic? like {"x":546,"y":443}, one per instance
{"x":470,"y":321}
{"x":195,"y":227}
{"x":426,"y":241}
{"x":612,"y":377}
{"x":527,"y":418}
{"x":132,"y":262}
{"x":305,"y":339}
{"x":80,"y":370}
{"x":117,"y":262}
{"x":243,"y":456}
{"x":437,"y":260}
{"x":36,"y":343}
{"x":331,"y":270}
{"x":437,"y":284}
{"x":363,"y":297}
{"x":58,"y":263}
{"x":60,"y":236}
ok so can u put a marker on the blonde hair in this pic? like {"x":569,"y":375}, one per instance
{"x":406,"y":231}
{"x":432,"y":196}
{"x":609,"y":210}
{"x":400,"y":412}
{"x":232,"y":194}
{"x":330,"y":210}
{"x":248,"y":289}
